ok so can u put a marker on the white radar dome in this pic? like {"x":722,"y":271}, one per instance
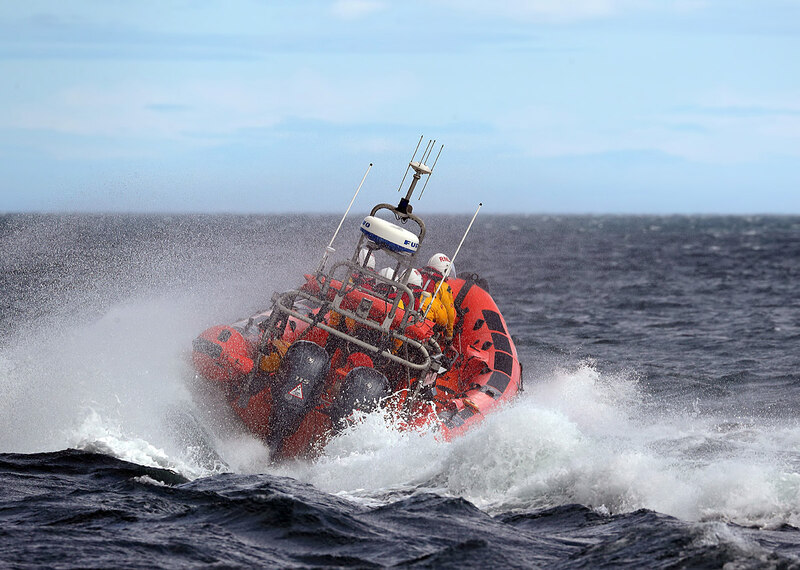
{"x":389,"y":236}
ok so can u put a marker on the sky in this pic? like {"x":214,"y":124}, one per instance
{"x":543,"y":106}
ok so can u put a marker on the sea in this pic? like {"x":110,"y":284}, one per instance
{"x":659,"y":425}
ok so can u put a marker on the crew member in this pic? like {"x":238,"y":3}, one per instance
{"x":432,"y":275}
{"x":383,"y":288}
{"x":366,"y":259}
{"x":363,"y":279}
{"x":422,"y":299}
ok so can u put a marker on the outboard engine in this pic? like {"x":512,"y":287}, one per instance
{"x":300,"y":381}
{"x":362,"y":389}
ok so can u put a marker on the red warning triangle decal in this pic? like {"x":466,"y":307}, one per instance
{"x":297,"y":391}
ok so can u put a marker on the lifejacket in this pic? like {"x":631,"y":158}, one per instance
{"x":422,"y":331}
{"x":404,"y":300}
{"x":271,"y":358}
{"x":437,"y":312}
{"x":430,"y":280}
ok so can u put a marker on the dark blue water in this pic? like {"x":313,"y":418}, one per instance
{"x":658,"y":427}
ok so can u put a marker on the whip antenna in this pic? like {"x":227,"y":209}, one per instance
{"x":432,"y":167}
{"x":452,"y":261}
{"x":329,"y":249}
{"x":409,"y":163}
{"x":431,"y":145}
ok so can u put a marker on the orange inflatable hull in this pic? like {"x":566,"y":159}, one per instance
{"x":484,"y":371}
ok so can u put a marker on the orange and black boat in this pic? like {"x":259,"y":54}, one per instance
{"x":351,"y":339}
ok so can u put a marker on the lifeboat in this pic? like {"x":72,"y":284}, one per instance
{"x":350,"y":339}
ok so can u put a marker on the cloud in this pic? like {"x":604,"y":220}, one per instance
{"x":734,"y":102}
{"x":720,"y":129}
{"x":205,"y":112}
